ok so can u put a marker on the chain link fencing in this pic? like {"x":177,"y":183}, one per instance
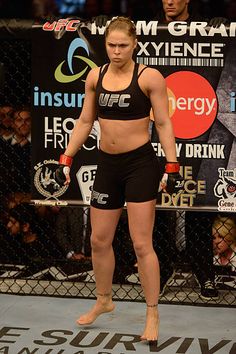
{"x":45,"y":250}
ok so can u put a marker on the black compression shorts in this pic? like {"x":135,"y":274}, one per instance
{"x":127,"y":177}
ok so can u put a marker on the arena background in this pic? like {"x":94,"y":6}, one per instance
{"x":41,"y":266}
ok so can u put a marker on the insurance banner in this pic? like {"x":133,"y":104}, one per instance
{"x":199,"y":65}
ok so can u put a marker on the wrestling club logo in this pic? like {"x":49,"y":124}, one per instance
{"x":45,"y":182}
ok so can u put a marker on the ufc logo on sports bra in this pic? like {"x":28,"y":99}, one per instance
{"x":109,"y":99}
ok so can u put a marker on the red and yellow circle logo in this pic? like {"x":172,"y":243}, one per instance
{"x":192,"y":104}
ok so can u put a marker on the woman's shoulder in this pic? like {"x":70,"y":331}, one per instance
{"x":99,"y":68}
{"x":150,"y":74}
{"x":95,"y":71}
{"x":92,"y":76}
{"x":149,"y":70}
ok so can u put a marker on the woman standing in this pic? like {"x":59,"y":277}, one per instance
{"x":121,"y":93}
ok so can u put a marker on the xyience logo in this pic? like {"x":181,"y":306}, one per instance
{"x":192,"y":104}
{"x":71,"y":57}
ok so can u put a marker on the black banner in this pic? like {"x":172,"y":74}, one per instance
{"x":198,"y":63}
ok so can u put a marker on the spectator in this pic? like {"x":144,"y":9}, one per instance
{"x":28,"y":239}
{"x":184,"y":10}
{"x":43,"y":9}
{"x":167,"y":11}
{"x":21,"y":127}
{"x":224,"y":241}
{"x":19,"y":152}
{"x":16,"y":151}
{"x":14,"y":199}
{"x":6,"y":130}
{"x":23,"y":235}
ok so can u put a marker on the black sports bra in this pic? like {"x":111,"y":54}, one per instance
{"x":128,"y":104}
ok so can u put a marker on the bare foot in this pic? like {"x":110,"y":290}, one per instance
{"x":151,"y":330}
{"x":102,"y":305}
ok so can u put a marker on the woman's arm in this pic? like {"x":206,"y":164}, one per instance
{"x":86,"y":119}
{"x":156,"y":88}
{"x":172,"y":181}
{"x":81,"y":130}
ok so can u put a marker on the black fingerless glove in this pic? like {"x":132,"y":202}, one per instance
{"x":62,"y":173}
{"x":172,"y":181}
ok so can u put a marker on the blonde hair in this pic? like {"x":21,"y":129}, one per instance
{"x":226,"y":227}
{"x":123,"y":24}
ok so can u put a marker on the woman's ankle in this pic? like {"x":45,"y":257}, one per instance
{"x":104,"y":298}
{"x":151,"y":305}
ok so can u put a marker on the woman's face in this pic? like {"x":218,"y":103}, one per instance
{"x":120,"y":47}
{"x":220,"y":244}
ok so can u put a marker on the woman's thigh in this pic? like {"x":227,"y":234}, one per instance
{"x":141,"y":218}
{"x":104,"y":223}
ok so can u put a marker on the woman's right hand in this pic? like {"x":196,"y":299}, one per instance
{"x":62,"y":173}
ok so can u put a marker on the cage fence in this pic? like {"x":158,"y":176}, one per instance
{"x":45,"y":250}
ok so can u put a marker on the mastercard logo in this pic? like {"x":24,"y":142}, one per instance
{"x":193,"y":104}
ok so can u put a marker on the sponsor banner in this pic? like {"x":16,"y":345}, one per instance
{"x":63,"y":339}
{"x":199,"y":65}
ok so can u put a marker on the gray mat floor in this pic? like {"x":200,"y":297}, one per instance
{"x":46,"y":325}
